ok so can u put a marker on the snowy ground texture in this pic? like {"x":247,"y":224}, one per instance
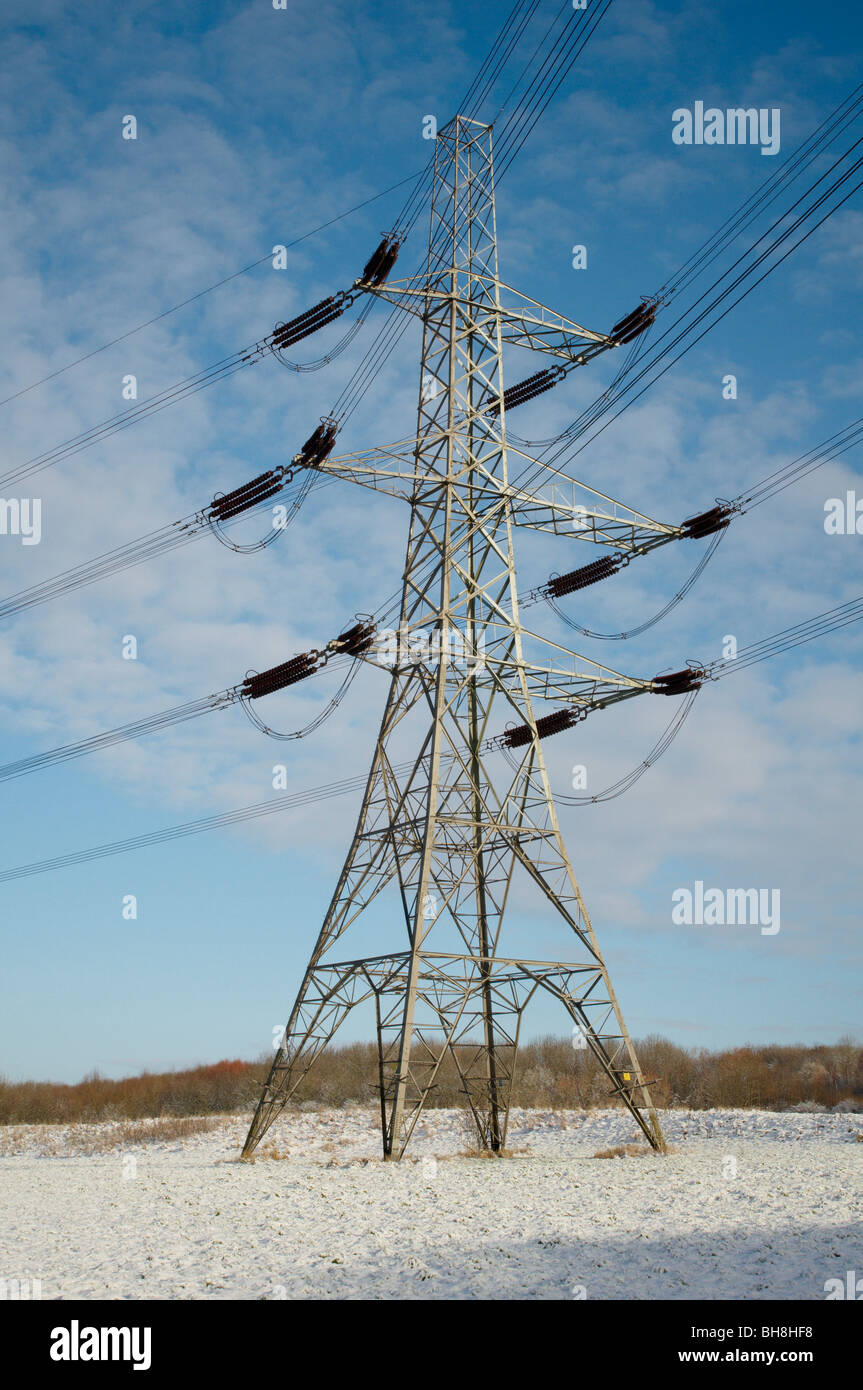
{"x":750,"y":1205}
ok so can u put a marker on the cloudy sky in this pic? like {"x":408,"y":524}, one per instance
{"x":255,"y":125}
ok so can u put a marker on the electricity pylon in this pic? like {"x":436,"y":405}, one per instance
{"x":446,"y":819}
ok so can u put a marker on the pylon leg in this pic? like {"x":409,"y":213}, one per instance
{"x":325,"y":999}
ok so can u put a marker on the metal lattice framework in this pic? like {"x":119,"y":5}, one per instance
{"x":443,"y":837}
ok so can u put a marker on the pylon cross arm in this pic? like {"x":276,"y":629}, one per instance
{"x":573,"y":663}
{"x":586,"y":682}
{"x":574,"y":509}
{"x":587,"y":695}
{"x":531,"y":310}
{"x":600,"y":523}
{"x":386,"y":468}
{"x":523,"y":330}
{"x":570,"y":507}
{"x":524,"y":322}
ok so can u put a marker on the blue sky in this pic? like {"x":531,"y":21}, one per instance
{"x":255,"y":125}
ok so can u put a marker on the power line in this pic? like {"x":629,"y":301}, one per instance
{"x":786,"y":174}
{"x":507,"y":147}
{"x":227,"y":367}
{"x":178,"y":714}
{"x":180,"y":533}
{"x":820,"y":625}
{"x":685,"y":335}
{"x":517,"y":128}
{"x":834,"y":125}
{"x":156,"y":543}
{"x":699,"y":569}
{"x":625,"y":783}
{"x":795,"y":636}
{"x":776,"y":482}
{"x":148,"y":323}
{"x":350,"y":643}
{"x":306,"y":797}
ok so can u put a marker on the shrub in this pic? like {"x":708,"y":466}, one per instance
{"x":549,"y":1074}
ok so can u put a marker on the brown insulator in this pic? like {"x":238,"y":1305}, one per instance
{"x":277,"y":677}
{"x":641,"y":326}
{"x":678,"y":682}
{"x":313,"y":313}
{"x":223,"y":513}
{"x":627,"y":322}
{"x":286,"y":337}
{"x":387,"y":262}
{"x":549,"y":724}
{"x":568,"y":583}
{"x":357,"y":639}
{"x":374,"y":261}
{"x":716,"y":519}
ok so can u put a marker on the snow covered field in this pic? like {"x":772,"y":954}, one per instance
{"x":750,"y":1205}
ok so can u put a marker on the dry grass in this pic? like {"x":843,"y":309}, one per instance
{"x":85,"y":1140}
{"x":166,"y":1127}
{"x":625,"y":1151}
{"x":492,"y":1153}
{"x":271,"y":1151}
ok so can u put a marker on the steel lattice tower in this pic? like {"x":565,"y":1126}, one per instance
{"x":446,"y":822}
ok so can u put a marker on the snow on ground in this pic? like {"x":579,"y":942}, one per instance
{"x":750,"y":1205}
